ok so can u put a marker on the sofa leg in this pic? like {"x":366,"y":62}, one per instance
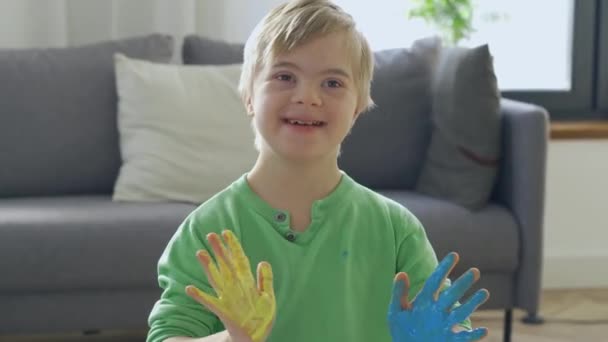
{"x":508,"y":325}
{"x":533,"y":318}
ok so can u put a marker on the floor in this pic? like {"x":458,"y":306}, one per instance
{"x":570,"y":315}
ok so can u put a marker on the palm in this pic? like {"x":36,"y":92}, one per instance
{"x":247,"y":310}
{"x":245,"y":306}
{"x":430,"y":316}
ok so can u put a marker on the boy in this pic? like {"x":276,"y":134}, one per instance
{"x":327,"y":248}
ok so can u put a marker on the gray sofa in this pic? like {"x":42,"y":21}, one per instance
{"x":71,"y":259}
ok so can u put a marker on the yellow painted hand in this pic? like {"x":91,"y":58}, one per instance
{"x":247,"y":311}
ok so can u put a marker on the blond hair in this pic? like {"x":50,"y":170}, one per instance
{"x":292,"y":24}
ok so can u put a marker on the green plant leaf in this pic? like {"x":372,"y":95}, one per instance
{"x":453,"y":18}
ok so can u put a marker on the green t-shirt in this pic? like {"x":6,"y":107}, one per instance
{"x":332,"y":282}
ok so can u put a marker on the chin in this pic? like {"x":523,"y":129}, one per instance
{"x":306,"y":155}
{"x":300,"y":156}
{"x":295,"y":152}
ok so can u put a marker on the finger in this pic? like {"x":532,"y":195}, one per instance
{"x":404,"y":301}
{"x":222,"y":257}
{"x":401,"y":286}
{"x":433,"y":284}
{"x":453,"y":293}
{"x":265,"y":278}
{"x":472,"y":335}
{"x":211,"y":303}
{"x":463,"y":312}
{"x":240,"y":261}
{"x":214,"y":276}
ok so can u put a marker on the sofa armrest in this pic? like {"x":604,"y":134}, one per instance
{"x":521,"y":188}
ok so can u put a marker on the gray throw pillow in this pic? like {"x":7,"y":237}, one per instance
{"x":58,"y":132}
{"x":387,"y":146}
{"x":463,"y":156}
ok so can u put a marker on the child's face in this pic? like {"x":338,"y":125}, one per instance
{"x":305,"y":101}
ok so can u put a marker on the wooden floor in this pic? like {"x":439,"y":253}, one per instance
{"x":571,"y":315}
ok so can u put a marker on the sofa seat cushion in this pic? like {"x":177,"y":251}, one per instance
{"x":486,"y":239}
{"x":83,"y":242}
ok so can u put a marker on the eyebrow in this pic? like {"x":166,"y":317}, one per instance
{"x":335,"y":71}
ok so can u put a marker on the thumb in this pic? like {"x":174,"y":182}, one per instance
{"x":211,"y":303}
{"x":399,"y":298}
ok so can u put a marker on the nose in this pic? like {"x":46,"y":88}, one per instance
{"x":307,"y":93}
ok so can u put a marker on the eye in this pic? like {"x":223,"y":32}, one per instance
{"x":284,"y":77}
{"x":333,"y":83}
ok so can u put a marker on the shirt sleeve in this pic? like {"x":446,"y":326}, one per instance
{"x":175,"y":313}
{"x":416,"y":257}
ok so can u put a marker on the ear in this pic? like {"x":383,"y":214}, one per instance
{"x":249,"y":106}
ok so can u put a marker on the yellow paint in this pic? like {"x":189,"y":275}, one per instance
{"x":239,"y":300}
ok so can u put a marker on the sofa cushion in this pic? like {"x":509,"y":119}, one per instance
{"x":58,"y":130}
{"x":201,"y":50}
{"x":487,"y":239}
{"x":462,"y":160}
{"x":83,"y":242}
{"x":184,"y":131}
{"x":387,"y":145}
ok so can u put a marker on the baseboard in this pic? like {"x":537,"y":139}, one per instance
{"x":582,"y":271}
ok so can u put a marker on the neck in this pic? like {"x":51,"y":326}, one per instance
{"x":284,"y":184}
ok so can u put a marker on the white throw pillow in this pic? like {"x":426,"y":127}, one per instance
{"x":184,"y":132}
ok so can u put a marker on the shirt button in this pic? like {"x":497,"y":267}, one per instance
{"x":280,"y":217}
{"x":291,"y":237}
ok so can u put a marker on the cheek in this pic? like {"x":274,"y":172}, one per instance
{"x":266,"y":112}
{"x":266,"y":102}
{"x":345,"y":105}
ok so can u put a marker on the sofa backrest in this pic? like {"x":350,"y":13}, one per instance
{"x":58,"y":132}
{"x":388,"y":144}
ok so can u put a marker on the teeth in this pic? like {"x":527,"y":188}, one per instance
{"x":306,"y":123}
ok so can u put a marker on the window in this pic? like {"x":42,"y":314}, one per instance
{"x":545,"y":51}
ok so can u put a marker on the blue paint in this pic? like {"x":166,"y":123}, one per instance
{"x":429,"y":319}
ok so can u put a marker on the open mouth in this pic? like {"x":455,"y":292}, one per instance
{"x":304,"y":123}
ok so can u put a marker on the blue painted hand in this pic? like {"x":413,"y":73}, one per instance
{"x":431,"y":316}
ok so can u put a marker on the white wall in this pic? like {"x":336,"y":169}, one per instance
{"x":576,"y":220}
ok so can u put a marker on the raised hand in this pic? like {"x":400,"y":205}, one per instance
{"x":247,"y":311}
{"x":430,"y":317}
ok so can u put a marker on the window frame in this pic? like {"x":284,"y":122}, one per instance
{"x":602,"y":55}
{"x":578,"y":103}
